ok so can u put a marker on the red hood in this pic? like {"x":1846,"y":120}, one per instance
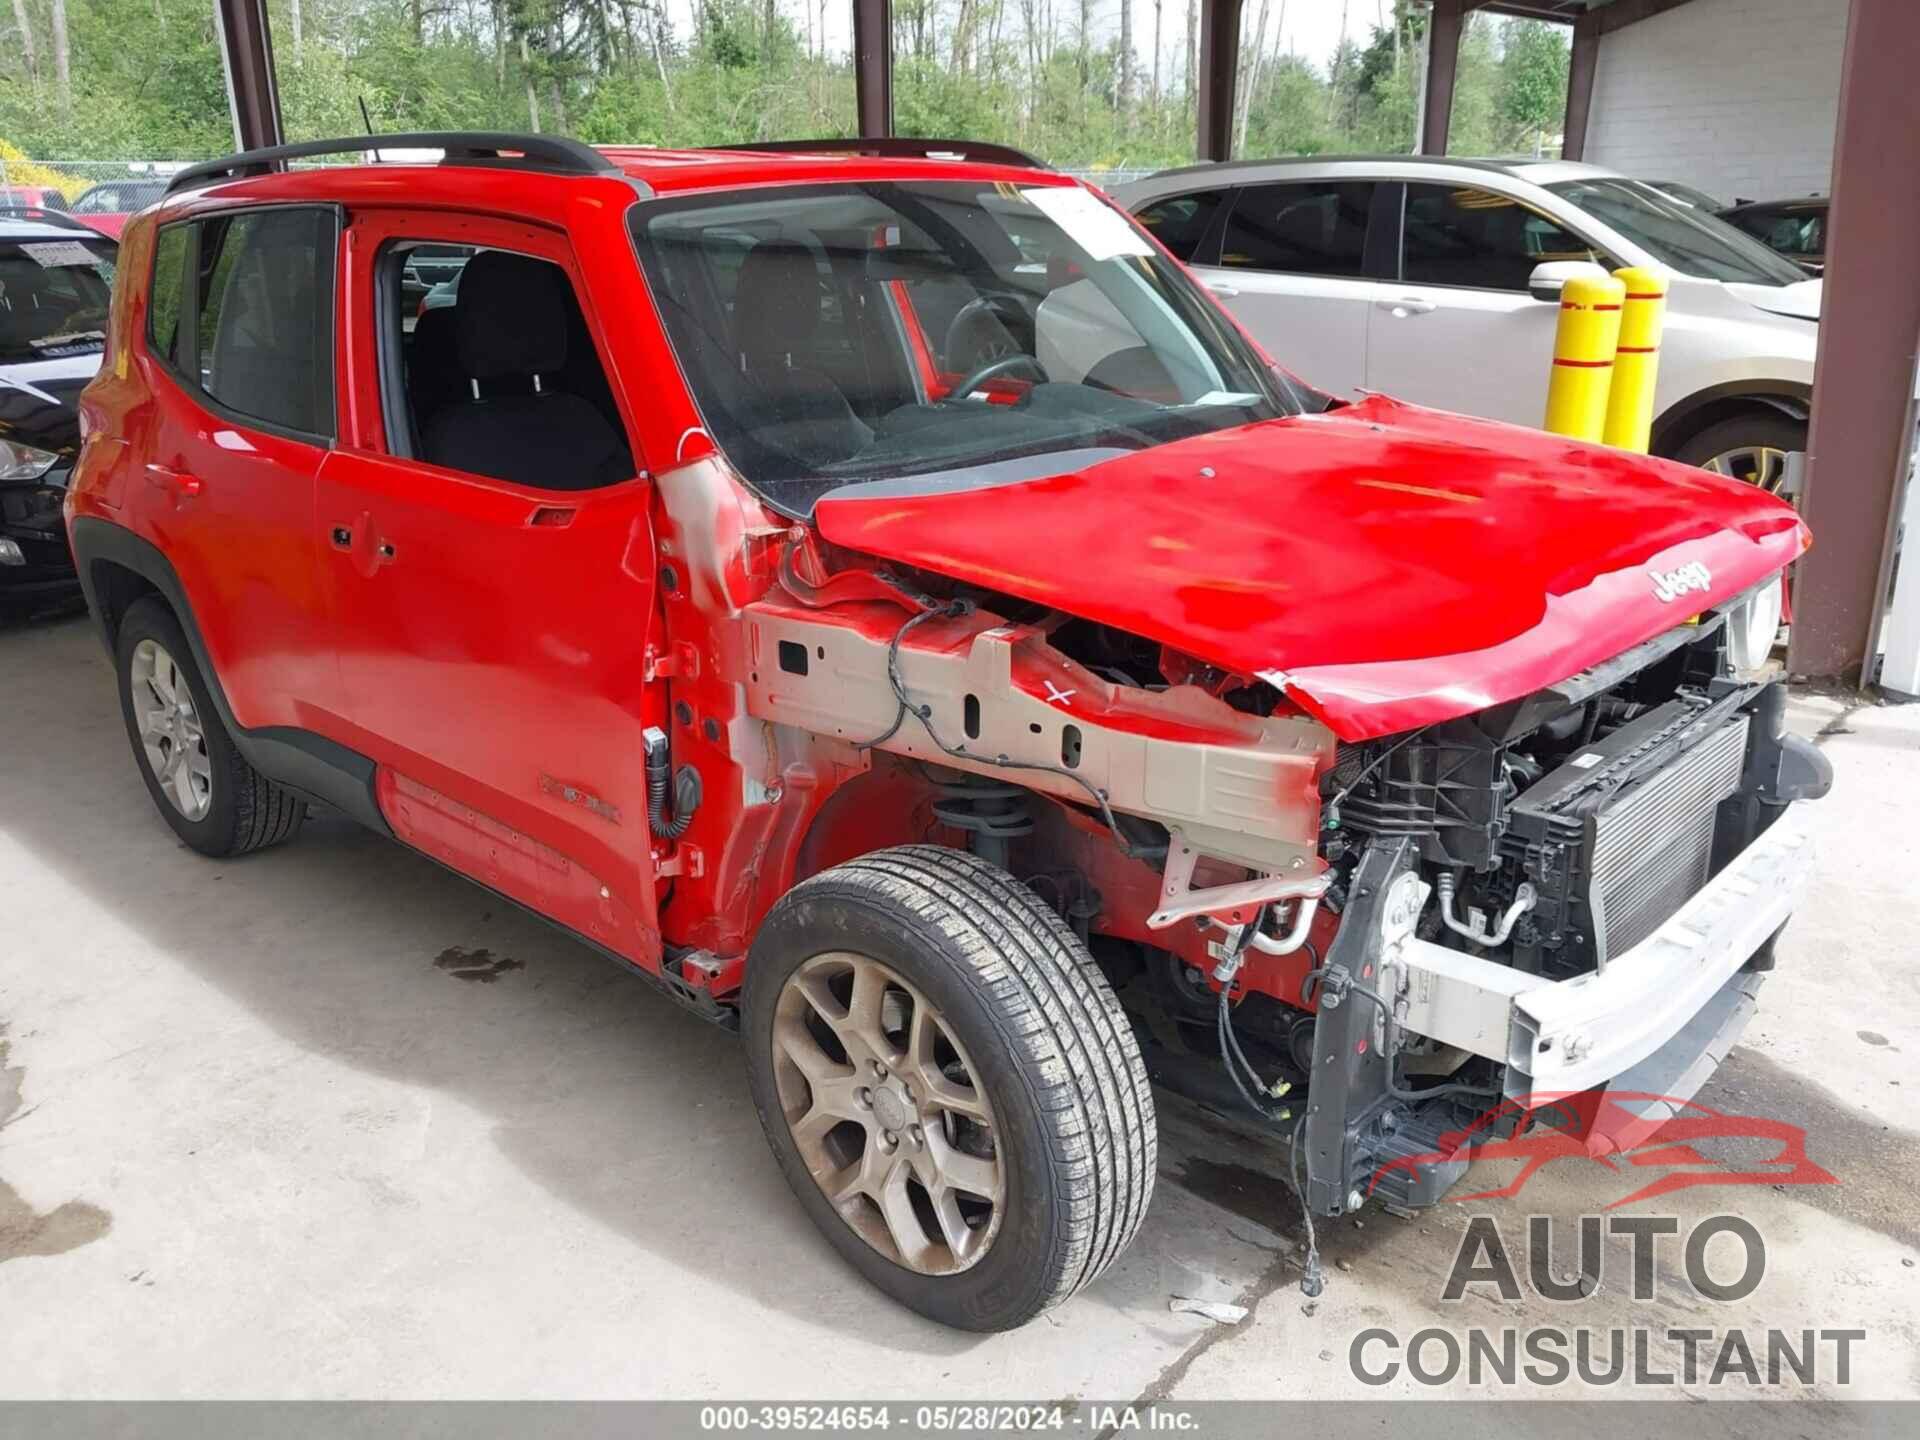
{"x":1388,"y":566}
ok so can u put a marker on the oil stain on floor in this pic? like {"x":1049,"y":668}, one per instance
{"x":482,"y":965}
{"x":23,"y":1230}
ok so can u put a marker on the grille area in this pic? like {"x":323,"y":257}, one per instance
{"x":1652,"y":846}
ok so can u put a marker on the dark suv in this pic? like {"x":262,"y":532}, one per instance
{"x":56,"y":278}
{"x":887,"y":604}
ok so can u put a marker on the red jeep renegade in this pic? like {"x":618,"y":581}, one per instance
{"x":882,"y":600}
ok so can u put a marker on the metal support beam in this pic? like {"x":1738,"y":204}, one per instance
{"x":1219,"y":64}
{"x":246,"y":52}
{"x":873,"y":67}
{"x":1622,"y":13}
{"x":1869,"y":332}
{"x":1580,"y":68}
{"x":1444,"y":25}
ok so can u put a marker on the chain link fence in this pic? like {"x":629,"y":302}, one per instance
{"x":106,"y":185}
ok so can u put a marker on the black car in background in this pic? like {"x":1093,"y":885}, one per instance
{"x":1795,"y":228}
{"x":56,"y":280}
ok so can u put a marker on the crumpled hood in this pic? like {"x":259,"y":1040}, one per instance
{"x":1801,"y":301}
{"x":1387,"y":566}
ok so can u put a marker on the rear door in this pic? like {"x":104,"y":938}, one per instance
{"x":492,"y":632}
{"x":1293,"y":270}
{"x":241,"y":321}
{"x":1460,"y":330}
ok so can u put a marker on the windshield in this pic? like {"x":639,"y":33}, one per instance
{"x":1676,"y":234}
{"x":841,"y":334}
{"x":53,"y":298}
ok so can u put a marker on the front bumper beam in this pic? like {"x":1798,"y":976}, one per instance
{"x":1557,"y":1037}
{"x":1658,"y":1019}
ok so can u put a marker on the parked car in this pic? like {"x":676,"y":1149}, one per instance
{"x":32,"y":197}
{"x":1688,"y":195}
{"x":887,"y":604}
{"x":56,"y":277}
{"x":1796,"y":229}
{"x":1437,"y":280}
{"x":106,"y":206}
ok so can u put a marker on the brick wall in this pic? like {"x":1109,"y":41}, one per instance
{"x":1737,"y":97}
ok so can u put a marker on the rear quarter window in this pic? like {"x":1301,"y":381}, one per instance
{"x":166,"y":293}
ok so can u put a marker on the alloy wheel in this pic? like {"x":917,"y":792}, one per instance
{"x":170,"y":730}
{"x":1761,"y":465}
{"x":886,"y":1112}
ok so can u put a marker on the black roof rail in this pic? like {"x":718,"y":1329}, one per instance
{"x":898,"y":145}
{"x":40,"y":215}
{"x":553,"y":154}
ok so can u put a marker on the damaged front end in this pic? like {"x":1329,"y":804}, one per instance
{"x":1380,"y":944}
{"x":1575,"y":892}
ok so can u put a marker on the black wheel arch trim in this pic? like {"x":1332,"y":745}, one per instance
{"x":309,"y":764}
{"x":1789,"y":397}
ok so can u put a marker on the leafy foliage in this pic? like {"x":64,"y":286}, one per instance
{"x":144,"y":79}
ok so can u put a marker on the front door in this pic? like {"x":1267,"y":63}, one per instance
{"x":1460,"y":330}
{"x":492,"y":628}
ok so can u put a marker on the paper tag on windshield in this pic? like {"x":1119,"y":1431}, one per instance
{"x":61,"y":252}
{"x":1090,"y":223}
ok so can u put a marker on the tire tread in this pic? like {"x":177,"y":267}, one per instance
{"x":1055,"y":1007}
{"x":264,"y":813}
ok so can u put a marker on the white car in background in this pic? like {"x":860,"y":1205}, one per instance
{"x":1437,"y":281}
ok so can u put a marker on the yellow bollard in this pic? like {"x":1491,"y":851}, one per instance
{"x":1583,"y":356}
{"x":1637,"y":362}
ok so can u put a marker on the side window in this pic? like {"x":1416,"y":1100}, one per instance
{"x":167,"y":293}
{"x":1477,"y":239}
{"x":1311,"y":228}
{"x":497,"y":371}
{"x":1180,"y":223}
{"x":264,"y":333}
{"x":1794,"y":234}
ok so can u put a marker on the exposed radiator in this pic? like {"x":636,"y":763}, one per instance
{"x":1652,"y":844}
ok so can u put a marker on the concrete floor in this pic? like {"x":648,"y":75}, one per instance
{"x":264,"y":1132}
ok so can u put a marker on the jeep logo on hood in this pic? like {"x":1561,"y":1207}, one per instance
{"x":1672,"y":584}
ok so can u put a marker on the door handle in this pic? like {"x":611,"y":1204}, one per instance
{"x":177,"y":483}
{"x":1222,"y":288}
{"x":1406,"y":305}
{"x":368,"y":547}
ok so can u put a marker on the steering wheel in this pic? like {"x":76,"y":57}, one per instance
{"x":987,"y":328}
{"x":992,"y":368}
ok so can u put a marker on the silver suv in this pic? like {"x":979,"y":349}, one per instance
{"x":1436,"y":281}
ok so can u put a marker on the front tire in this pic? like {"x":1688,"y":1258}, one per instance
{"x":202,"y":785}
{"x":1751,"y":447}
{"x":949,"y":1084}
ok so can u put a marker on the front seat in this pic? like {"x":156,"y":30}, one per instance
{"x":511,"y":325}
{"x":776,"y":313}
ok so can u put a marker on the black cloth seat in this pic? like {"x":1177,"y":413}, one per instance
{"x":511,"y":324}
{"x":776,"y":314}
{"x":433,"y":365}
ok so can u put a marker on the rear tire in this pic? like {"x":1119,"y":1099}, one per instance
{"x":201,"y":784}
{"x":1033,"y":1044}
